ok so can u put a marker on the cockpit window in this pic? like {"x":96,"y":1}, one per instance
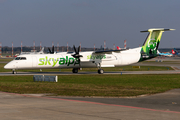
{"x":20,"y":58}
{"x":17,"y":58}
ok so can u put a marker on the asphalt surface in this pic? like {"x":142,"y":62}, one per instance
{"x":165,"y":106}
{"x":86,"y":73}
{"x":168,"y":101}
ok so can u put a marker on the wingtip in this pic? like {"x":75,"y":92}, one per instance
{"x":172,"y":29}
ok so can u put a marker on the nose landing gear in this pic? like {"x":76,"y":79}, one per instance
{"x":14,"y":72}
{"x":75,"y":70}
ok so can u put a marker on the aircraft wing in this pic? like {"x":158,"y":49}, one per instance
{"x":108,"y":51}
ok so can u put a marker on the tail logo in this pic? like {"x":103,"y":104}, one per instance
{"x":152,"y":44}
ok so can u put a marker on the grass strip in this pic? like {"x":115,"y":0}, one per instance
{"x":92,"y":85}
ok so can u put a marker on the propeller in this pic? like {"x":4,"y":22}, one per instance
{"x":77,"y":55}
{"x":51,"y":52}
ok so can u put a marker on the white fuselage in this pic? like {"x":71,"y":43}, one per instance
{"x":65,"y":60}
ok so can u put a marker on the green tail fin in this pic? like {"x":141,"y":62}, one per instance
{"x":150,"y":46}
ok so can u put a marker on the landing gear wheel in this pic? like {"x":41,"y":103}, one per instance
{"x":100,"y":71}
{"x":14,"y":72}
{"x":75,"y":70}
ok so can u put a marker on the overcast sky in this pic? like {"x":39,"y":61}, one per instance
{"x":87,"y":21}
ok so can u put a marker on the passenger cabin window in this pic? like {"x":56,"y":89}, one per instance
{"x":23,"y":58}
{"x":20,"y":58}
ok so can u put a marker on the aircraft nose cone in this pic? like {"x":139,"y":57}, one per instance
{"x":7,"y":66}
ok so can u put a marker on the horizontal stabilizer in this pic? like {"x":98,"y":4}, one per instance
{"x":157,"y":29}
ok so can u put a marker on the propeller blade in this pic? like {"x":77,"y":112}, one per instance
{"x":75,"y":49}
{"x":80,"y":56}
{"x":74,"y":62}
{"x":52,"y":49}
{"x":76,"y":55}
{"x":79,"y":61}
{"x":78,"y":49}
{"x":49,"y":50}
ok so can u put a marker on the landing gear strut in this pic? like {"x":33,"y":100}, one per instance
{"x":75,"y":70}
{"x":100,"y":71}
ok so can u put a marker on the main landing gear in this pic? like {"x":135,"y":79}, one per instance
{"x":100,"y":71}
{"x":75,"y":70}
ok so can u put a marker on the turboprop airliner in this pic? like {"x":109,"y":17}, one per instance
{"x":98,"y":59}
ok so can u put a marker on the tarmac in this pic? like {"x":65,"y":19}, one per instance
{"x":164,"y":106}
{"x":87,"y":73}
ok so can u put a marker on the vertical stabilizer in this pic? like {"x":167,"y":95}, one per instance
{"x":150,"y":46}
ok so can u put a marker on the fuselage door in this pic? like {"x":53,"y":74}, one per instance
{"x":34,"y":61}
{"x":118,"y":58}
